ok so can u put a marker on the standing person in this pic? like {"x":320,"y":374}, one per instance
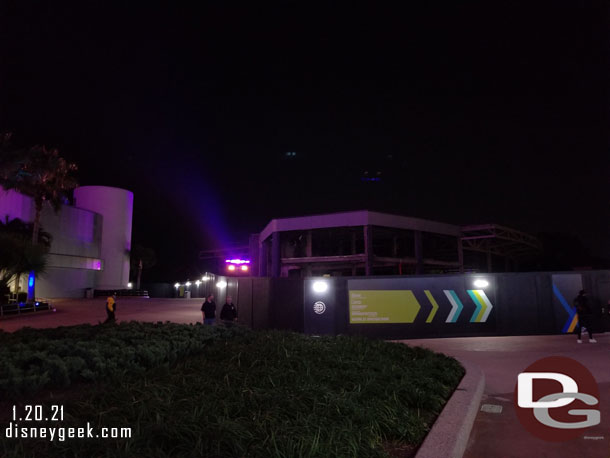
{"x":110,"y":308}
{"x":208,"y":310}
{"x":581,"y":302}
{"x":229,"y":313}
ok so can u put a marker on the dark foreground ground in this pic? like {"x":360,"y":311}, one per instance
{"x":500,"y":435}
{"x":501,"y":358}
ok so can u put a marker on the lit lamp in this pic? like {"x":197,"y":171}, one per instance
{"x":320,"y":286}
{"x":480,"y":283}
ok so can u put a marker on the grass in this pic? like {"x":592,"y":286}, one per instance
{"x":33,"y":359}
{"x":262,"y":394}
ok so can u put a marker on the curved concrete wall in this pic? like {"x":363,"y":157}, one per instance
{"x":116,"y":207}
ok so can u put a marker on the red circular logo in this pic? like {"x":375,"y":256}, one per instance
{"x":557,"y":399}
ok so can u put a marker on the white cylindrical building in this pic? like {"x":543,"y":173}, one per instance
{"x":116,"y":207}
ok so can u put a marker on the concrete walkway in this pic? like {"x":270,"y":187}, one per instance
{"x":78,"y":311}
{"x":502,"y":359}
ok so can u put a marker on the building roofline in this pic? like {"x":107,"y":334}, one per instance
{"x":354,"y":219}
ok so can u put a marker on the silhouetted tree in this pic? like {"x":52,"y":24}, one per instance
{"x":562,"y":251}
{"x":141,"y":258}
{"x":38,"y":172}
{"x":18,"y":255}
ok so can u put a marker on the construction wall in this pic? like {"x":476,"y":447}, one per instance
{"x":451,"y":305}
{"x":419,"y":306}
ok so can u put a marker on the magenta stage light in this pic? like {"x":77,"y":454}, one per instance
{"x":237,"y":261}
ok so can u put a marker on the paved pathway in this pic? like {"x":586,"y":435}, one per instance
{"x":501,"y":359}
{"x":78,"y":311}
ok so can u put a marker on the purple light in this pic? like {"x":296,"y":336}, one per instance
{"x":237,"y":261}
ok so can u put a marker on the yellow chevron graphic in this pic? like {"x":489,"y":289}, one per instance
{"x":483,"y":306}
{"x":434,"y":306}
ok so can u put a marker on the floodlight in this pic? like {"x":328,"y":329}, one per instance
{"x":320,"y":286}
{"x":221,"y":284}
{"x":481,"y":283}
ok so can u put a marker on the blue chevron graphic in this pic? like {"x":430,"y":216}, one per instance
{"x":571,"y":311}
{"x":473,"y":319}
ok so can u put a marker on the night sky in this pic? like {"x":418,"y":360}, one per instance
{"x":467,"y":113}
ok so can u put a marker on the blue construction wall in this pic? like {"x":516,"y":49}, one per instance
{"x":451,"y":305}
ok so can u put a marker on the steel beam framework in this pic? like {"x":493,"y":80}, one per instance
{"x":499,"y":240}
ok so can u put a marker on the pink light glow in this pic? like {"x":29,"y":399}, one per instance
{"x":237,"y":261}
{"x":231,"y":267}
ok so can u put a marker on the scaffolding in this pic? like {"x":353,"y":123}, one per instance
{"x":493,"y":239}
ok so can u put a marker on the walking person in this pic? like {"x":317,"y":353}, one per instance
{"x":208,"y":310}
{"x":110,"y":308}
{"x":585,"y":316}
{"x":228,"y":313}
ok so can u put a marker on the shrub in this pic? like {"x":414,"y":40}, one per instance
{"x":38,"y":358}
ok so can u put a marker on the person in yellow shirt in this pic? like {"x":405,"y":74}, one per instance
{"x":110,"y":308}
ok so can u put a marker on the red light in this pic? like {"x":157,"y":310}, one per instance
{"x":231,"y":267}
{"x":244,"y":268}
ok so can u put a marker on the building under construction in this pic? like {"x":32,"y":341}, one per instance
{"x":371,"y":243}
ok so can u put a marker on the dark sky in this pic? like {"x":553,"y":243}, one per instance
{"x":472,"y":112}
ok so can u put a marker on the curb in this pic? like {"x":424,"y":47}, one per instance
{"x":449,"y":435}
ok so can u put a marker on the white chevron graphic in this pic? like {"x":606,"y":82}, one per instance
{"x":454,"y":306}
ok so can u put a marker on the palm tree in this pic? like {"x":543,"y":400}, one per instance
{"x":32,"y":260}
{"x":8,"y":260}
{"x":141,"y":258}
{"x":38,"y":172}
{"x":18,"y":255}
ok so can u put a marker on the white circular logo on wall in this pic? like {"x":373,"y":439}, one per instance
{"x":319,"y":307}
